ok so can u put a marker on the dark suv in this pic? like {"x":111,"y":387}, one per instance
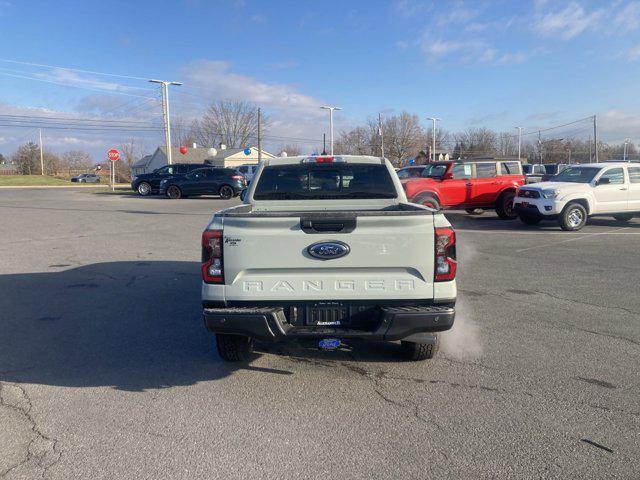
{"x":148,"y":183}
{"x":225,"y":182}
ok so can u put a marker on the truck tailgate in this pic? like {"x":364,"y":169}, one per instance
{"x":266,"y":258}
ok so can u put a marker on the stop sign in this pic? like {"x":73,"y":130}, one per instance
{"x":113,"y":155}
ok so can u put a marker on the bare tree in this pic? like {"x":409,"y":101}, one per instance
{"x":403,"y":137}
{"x":26,"y":158}
{"x":232,"y":122}
{"x":475,"y":142}
{"x":292,"y":150}
{"x":76,"y":160}
{"x":181,"y":134}
{"x":354,"y":142}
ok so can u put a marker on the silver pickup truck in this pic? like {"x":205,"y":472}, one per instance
{"x":327,"y":248}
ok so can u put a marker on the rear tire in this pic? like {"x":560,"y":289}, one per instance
{"x":226,"y":192}
{"x":504,"y":206}
{"x":623,"y":217}
{"x":573,"y":217}
{"x":418,"y":351}
{"x":234,"y":348}
{"x":174,"y":192}
{"x":144,"y":189}
{"x":529,"y":220}
{"x":428,"y":200}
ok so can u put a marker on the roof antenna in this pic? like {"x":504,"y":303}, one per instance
{"x":324,"y":144}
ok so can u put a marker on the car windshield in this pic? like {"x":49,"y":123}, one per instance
{"x":310,"y":181}
{"x":434,"y":171}
{"x":577,"y":174}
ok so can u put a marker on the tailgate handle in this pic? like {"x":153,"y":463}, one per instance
{"x":313,"y":225}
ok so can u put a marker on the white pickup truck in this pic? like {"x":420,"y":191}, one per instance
{"x":328,"y":248}
{"x":582,"y":191}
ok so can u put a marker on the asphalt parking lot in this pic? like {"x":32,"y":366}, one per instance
{"x":106,"y":370}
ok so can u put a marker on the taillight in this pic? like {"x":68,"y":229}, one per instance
{"x":445,"y":249}
{"x":323,"y":159}
{"x":212,"y":267}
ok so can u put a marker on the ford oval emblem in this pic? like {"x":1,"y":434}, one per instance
{"x":328,"y":250}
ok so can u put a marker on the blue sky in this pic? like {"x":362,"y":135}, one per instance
{"x":495,"y":64}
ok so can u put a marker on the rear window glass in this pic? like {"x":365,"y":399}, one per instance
{"x":510,"y":168}
{"x":485,"y":170}
{"x":634,"y":174}
{"x":324,"y":182}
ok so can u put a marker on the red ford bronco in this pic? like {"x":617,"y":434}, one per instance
{"x":473,"y":186}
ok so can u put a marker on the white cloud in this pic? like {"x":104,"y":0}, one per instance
{"x":628,"y":18}
{"x":616,"y":125}
{"x":567,"y":23}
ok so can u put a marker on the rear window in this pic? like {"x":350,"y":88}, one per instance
{"x":510,"y":168}
{"x":485,"y":170}
{"x":324,"y":182}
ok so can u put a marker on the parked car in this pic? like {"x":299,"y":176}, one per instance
{"x":468,"y":185}
{"x":86,"y":178}
{"x":149,"y":183}
{"x":582,"y":191}
{"x":551,"y":170}
{"x":225,"y":182}
{"x":327,"y":248}
{"x":410,"y":172}
{"x":248,"y":170}
{"x":533,"y":172}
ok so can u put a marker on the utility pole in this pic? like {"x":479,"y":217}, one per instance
{"x":381,"y":134}
{"x":259,"y":134}
{"x":433,"y":140}
{"x":165,"y":112}
{"x":519,"y":141}
{"x":590,"y":150}
{"x":41,"y":155}
{"x":540,"y":147}
{"x":595,"y":138}
{"x":331,"y":109}
{"x":624,"y":155}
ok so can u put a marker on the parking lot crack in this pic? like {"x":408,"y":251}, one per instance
{"x":42,"y":451}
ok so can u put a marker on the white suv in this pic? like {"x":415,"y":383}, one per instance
{"x":581,"y":191}
{"x":248,"y":170}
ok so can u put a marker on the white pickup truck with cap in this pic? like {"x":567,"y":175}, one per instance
{"x":327,"y":248}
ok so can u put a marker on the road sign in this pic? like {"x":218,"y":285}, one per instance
{"x":113,"y":155}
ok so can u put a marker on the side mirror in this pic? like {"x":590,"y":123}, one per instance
{"x":603,"y":181}
{"x":243,"y":194}
{"x":447,"y":176}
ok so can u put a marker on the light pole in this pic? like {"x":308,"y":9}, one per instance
{"x":331,"y":109}
{"x":165,"y":112}
{"x":433,"y":140}
{"x":626,"y":142}
{"x":519,"y":140}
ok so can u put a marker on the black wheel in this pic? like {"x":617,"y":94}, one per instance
{"x":418,"y":351}
{"x":573,"y":217}
{"x":144,"y":189}
{"x":174,"y":192}
{"x":428,"y":200}
{"x":234,"y":348}
{"x":226,"y":192}
{"x":623,"y":217}
{"x":530,"y":220}
{"x":475,"y":211}
{"x":504,"y":206}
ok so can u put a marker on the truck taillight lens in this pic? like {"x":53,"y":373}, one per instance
{"x":212,"y":267}
{"x":445,"y":261}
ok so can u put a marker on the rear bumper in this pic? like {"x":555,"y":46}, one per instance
{"x":270,"y":324}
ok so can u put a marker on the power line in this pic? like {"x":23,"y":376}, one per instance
{"x":32,"y":64}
